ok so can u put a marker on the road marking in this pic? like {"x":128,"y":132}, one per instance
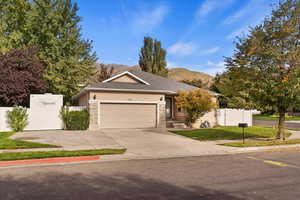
{"x":280,"y":164}
{"x":272,"y":162}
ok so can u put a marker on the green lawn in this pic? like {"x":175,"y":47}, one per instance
{"x":50,"y":154}
{"x":6,"y":143}
{"x":274,"y":117}
{"x":228,"y":133}
{"x":262,"y":143}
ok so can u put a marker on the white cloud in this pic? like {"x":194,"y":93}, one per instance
{"x":214,"y":67}
{"x":147,"y":19}
{"x":220,"y":64}
{"x":182,"y":49}
{"x":210,"y":51}
{"x":236,"y":16}
{"x":247,"y":17}
{"x":253,"y":6}
{"x":209,"y":6}
{"x":171,"y":64}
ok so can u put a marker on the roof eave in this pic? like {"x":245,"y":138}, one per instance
{"x":82,"y":92}
{"x":131,"y":90}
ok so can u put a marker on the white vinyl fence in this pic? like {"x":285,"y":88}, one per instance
{"x":43,"y":113}
{"x":232,"y":117}
{"x":77,"y":108}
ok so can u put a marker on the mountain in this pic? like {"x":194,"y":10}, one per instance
{"x":178,"y":74}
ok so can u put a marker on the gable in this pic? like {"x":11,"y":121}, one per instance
{"x":125,"y":79}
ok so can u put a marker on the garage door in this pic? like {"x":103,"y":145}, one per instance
{"x":127,"y":115}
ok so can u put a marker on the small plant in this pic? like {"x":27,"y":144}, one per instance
{"x":64,"y":115}
{"x":74,"y":120}
{"x":17,"y":118}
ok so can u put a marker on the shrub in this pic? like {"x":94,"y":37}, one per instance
{"x":75,"y":120}
{"x":17,"y":119}
{"x":196,"y":103}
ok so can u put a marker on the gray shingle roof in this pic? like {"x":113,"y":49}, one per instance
{"x":157,"y":84}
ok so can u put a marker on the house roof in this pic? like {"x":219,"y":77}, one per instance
{"x":148,"y":83}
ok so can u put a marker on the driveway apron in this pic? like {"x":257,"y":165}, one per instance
{"x":160,"y":143}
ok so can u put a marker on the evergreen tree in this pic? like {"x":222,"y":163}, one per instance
{"x":153,"y":57}
{"x":52,"y":26}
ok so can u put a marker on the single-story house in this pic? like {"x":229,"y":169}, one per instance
{"x":136,"y":99}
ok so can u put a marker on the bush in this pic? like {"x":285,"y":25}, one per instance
{"x":196,"y":103}
{"x":17,"y":119}
{"x":75,"y":120}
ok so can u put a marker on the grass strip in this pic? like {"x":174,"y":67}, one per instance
{"x":262,"y":143}
{"x":6,"y":156}
{"x":274,"y":117}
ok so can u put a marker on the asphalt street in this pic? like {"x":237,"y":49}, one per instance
{"x":264,"y":175}
{"x":275,"y":123}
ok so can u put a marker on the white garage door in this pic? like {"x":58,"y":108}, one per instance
{"x":113,"y":115}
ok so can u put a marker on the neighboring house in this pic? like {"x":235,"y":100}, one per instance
{"x":136,"y":99}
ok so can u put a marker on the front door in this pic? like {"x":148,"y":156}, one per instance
{"x":169,"y":108}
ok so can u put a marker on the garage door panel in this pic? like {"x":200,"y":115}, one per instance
{"x":127,"y":115}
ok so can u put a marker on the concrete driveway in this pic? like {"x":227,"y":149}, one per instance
{"x":69,"y":140}
{"x":154,"y":143}
{"x":140,"y":143}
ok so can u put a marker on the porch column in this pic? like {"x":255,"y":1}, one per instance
{"x":161,"y":115}
{"x":94,"y":108}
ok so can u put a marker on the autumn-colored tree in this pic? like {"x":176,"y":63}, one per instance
{"x":103,"y":73}
{"x":196,"y":103}
{"x":264,"y":71}
{"x":21,"y":73}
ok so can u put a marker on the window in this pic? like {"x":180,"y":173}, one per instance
{"x":179,"y":109}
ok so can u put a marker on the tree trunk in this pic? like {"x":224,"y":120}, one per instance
{"x":281,"y":122}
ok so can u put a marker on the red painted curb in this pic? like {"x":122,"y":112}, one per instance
{"x":49,"y":160}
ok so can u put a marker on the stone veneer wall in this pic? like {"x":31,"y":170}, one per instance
{"x":162,"y":116}
{"x":94,"y":115}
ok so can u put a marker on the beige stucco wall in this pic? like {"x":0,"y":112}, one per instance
{"x":125,"y":79}
{"x":83,"y":100}
{"x":211,"y":117}
{"x":125,"y":96}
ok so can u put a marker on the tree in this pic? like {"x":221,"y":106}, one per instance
{"x":266,"y":63}
{"x":153,"y":57}
{"x":53,"y":26}
{"x":196,"y":103}
{"x":104,"y":73}
{"x":20,"y":75}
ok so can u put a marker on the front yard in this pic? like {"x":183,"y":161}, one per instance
{"x":228,"y":133}
{"x":255,"y":136}
{"x":6,"y":143}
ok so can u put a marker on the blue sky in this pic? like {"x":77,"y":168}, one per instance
{"x":197,"y":34}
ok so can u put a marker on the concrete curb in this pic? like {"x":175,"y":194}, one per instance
{"x":55,"y":160}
